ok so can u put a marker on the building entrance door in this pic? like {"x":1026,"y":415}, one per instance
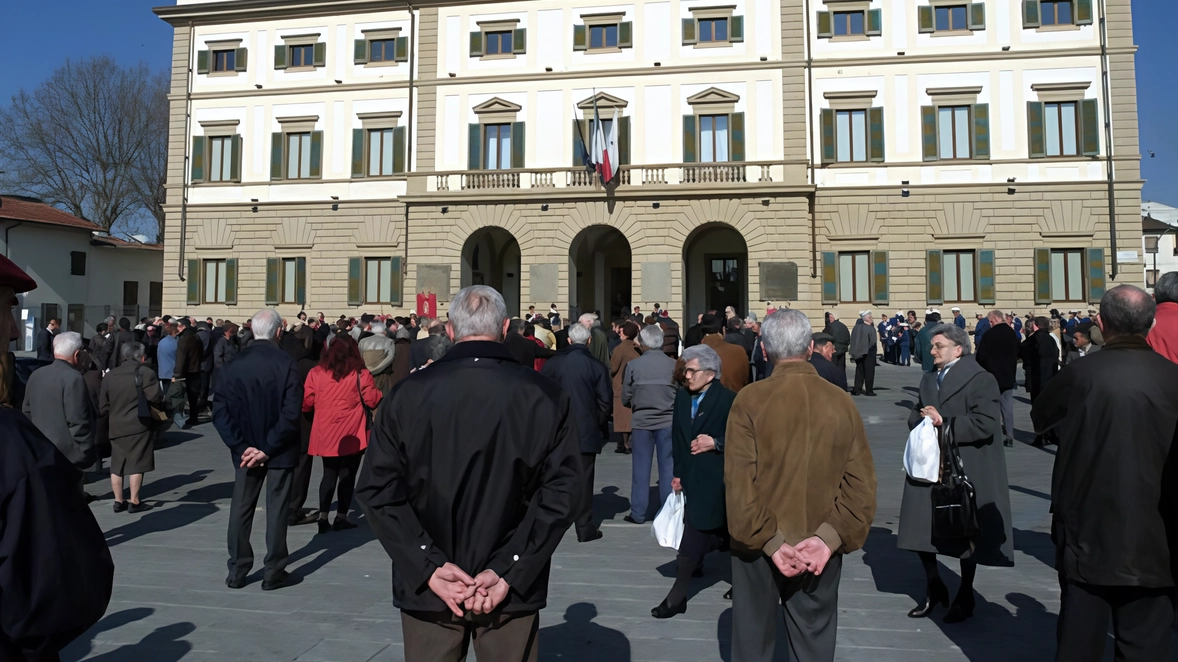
{"x":725,"y":278}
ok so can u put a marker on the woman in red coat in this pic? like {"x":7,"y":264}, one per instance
{"x":338,"y":391}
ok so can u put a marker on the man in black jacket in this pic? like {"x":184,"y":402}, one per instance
{"x":998,"y":355}
{"x":1113,"y":488}
{"x":1040,"y":357}
{"x":523,"y":349}
{"x":111,"y":355}
{"x":587,"y":383}
{"x":45,"y":336}
{"x":842,"y":340}
{"x":471,"y":480}
{"x":820,"y":359}
{"x":258,"y":419}
{"x":186,"y":376}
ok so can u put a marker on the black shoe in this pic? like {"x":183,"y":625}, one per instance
{"x":631,"y":520}
{"x":595,"y":535}
{"x":283,"y":580}
{"x":961,"y":609}
{"x":187,"y":425}
{"x":120,"y":506}
{"x":1039,"y":442}
{"x":620,"y":449}
{"x":728,"y":594}
{"x":937,"y":592}
{"x":1008,"y":442}
{"x":856,"y":393}
{"x":342,"y":524}
{"x":324,"y":526}
{"x":139,"y":507}
{"x":871,"y":394}
{"x":665,"y":610}
{"x":300,"y":520}
{"x":90,"y":498}
{"x":235,"y":582}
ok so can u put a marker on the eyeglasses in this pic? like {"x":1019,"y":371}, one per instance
{"x":687,"y":372}
{"x":943,"y":346}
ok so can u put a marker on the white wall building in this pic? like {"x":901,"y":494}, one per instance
{"x":1159,"y":240}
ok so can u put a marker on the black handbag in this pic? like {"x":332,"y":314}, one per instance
{"x":955,"y":506}
{"x":151,"y":417}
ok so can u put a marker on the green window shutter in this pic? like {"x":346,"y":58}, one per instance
{"x":202,"y":62}
{"x":354,"y":289}
{"x":272,"y":265}
{"x":320,"y":54}
{"x":395,"y":277}
{"x":474,"y":155}
{"x":1031,"y":19}
{"x":828,"y":148}
{"x":399,"y":149}
{"x":736,"y":137}
{"x":625,"y":34}
{"x":736,"y":29}
{"x":301,"y":280}
{"x":875,"y":134}
{"x":579,"y":149}
{"x":981,"y":131}
{"x":874,"y":22}
{"x":986,"y":279}
{"x":277,"y":142}
{"x":476,"y":43}
{"x":231,"y":281}
{"x":830,"y":283}
{"x":1094,"y":258}
{"x":280,"y":56}
{"x":193,"y":283}
{"x":624,"y":140}
{"x":879,"y":277}
{"x":198,"y":158}
{"x":825,"y":25}
{"x":1042,"y":275}
{"x":519,"y":41}
{"x":689,"y":139}
{"x":924,"y":19}
{"x":1089,"y":127}
{"x":358,"y":153}
{"x":316,"y":153}
{"x":360,"y":51}
{"x":1036,"y":135}
{"x":235,"y":158}
{"x":977,"y":16}
{"x":934,"y":277}
{"x":928,"y":132}
{"x":689,"y":31}
{"x":580,"y":38}
{"x":517,"y":144}
{"x":240,"y":57}
{"x":1083,"y":12}
{"x":401,"y":49}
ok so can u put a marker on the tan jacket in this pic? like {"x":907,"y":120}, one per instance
{"x":797,"y":464}
{"x":734,"y":362}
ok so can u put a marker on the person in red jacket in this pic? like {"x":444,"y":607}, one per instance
{"x":341,"y":393}
{"x":1164,"y":335}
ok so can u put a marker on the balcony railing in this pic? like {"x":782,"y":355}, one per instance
{"x":685,"y":174}
{"x":714,"y":173}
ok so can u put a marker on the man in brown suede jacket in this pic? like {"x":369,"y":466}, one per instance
{"x":800,"y":488}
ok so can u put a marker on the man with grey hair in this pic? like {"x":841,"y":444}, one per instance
{"x":997,"y":353}
{"x":648,"y":389}
{"x":599,"y":347}
{"x":586,"y":381}
{"x":471,"y":480}
{"x":800,"y":492}
{"x":258,"y":420}
{"x":57,"y":402}
{"x":864,"y":346}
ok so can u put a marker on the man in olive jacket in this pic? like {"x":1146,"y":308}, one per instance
{"x":800,"y":492}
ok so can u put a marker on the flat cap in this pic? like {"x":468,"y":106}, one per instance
{"x":821,"y":337}
{"x":14,"y":277}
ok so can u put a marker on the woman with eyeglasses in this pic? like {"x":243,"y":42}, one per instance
{"x":961,"y":398}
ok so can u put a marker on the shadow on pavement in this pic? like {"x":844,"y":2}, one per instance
{"x":163,"y":645}
{"x":717,"y":568}
{"x":326,"y":547}
{"x":172,"y":483}
{"x":1029,"y":492}
{"x":159,"y":520}
{"x":1037,"y":544}
{"x":82,"y":646}
{"x":209,"y":493}
{"x":894,"y":570}
{"x":175,"y":437}
{"x":579,"y":639}
{"x":609,"y":504}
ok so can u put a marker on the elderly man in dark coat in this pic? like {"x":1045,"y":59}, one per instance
{"x":586,"y":381}
{"x":186,"y":377}
{"x":820,"y":358}
{"x":997,"y":353}
{"x":842,"y":339}
{"x":57,"y":402}
{"x":1040,"y":355}
{"x":1113,"y":488}
{"x":864,"y":346}
{"x":962,"y":400}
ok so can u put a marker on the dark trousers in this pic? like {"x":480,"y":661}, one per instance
{"x":1141,"y":618}
{"x":339,"y":471}
{"x":865,"y":374}
{"x":247,"y":487}
{"x":584,"y":523}
{"x":811,"y":610}
{"x":841,"y":361}
{"x":693,"y":547}
{"x":192,"y":389}
{"x":206,"y":381}
{"x":302,"y":484}
{"x":443,"y":637}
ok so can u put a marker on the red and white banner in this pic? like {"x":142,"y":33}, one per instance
{"x":603,"y":147}
{"x":427,"y":305}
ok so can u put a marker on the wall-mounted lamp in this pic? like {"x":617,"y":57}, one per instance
{"x":904,"y":182}
{"x":1010,"y":190}
{"x":259,"y":86}
{"x":543,"y":207}
{"x":445,"y":210}
{"x":548,"y":69}
{"x":1010,"y":180}
{"x":764,"y":58}
{"x":254,"y":209}
{"x":338,"y":81}
{"x":765,"y":202}
{"x":904,"y":193}
{"x":658,"y":64}
{"x":654,"y":205}
{"x":452,"y":74}
{"x":1006,"y":48}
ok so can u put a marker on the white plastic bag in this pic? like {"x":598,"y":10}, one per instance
{"x":922,"y":455}
{"x":668,"y":524}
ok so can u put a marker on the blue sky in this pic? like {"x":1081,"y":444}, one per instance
{"x":129,"y":31}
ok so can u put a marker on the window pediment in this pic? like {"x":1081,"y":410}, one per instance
{"x":497,"y":105}
{"x":603,"y":100}
{"x":713,"y":95}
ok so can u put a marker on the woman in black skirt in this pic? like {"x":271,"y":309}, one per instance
{"x":132,"y":451}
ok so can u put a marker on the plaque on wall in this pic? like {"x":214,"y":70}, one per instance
{"x":544,"y":284}
{"x":656,"y":282}
{"x":434,"y":278}
{"x":779,"y":281}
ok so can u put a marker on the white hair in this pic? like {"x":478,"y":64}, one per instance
{"x":787,"y":334}
{"x":587,"y":318}
{"x":378,"y":328}
{"x":707,"y":357}
{"x":478,"y":310}
{"x":651,"y":337}
{"x":132,"y":351}
{"x":67,"y":344}
{"x":265,"y":324}
{"x":579,"y":335}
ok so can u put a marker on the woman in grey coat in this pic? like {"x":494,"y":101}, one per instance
{"x":960,"y":394}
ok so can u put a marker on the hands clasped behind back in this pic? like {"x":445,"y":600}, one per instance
{"x":480,"y":594}
{"x":810,"y":555}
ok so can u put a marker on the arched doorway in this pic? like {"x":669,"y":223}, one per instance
{"x":715,"y":260}
{"x":491,"y":257}
{"x":599,"y":268}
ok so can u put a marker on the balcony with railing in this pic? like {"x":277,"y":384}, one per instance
{"x":706,"y":175}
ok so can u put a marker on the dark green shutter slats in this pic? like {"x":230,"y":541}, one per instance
{"x":519,"y":41}
{"x":688,"y":31}
{"x":301,"y":281}
{"x":235,"y":158}
{"x":474,"y":147}
{"x":399,"y":149}
{"x":736,"y":29}
{"x":981,"y":131}
{"x":1094,"y":259}
{"x":986,"y":281}
{"x":928,"y":132}
{"x":320,"y":54}
{"x":875,"y":134}
{"x":1083,"y":12}
{"x":977,"y":16}
{"x":192,"y":297}
{"x":580,"y":38}
{"x":736,"y":137}
{"x":316,"y":153}
{"x":202,"y":62}
{"x":280,"y":56}
{"x":240,"y":57}
{"x":934,"y":277}
{"x":924,"y":19}
{"x":579,"y":148}
{"x":825,"y":25}
{"x":1042,"y":275}
{"x":476,"y":43}
{"x":272,"y":266}
{"x":358,"y":169}
{"x":1031,"y":18}
{"x":874,"y":22}
{"x":1036,"y":134}
{"x":624,"y":140}
{"x":198,"y":158}
{"x":354,"y":292}
{"x":689,"y":139}
{"x":276,"y":145}
{"x":828,"y":148}
{"x":830,"y":283}
{"x":395,"y":278}
{"x":360,"y":51}
{"x":625,"y":34}
{"x":517,"y":144}
{"x":1089,"y":127}
{"x":879,"y":277}
{"x":231,"y":281}
{"x":401,"y":49}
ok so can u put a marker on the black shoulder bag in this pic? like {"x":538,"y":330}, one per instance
{"x":149,"y":416}
{"x":367,"y":411}
{"x":955,"y":507}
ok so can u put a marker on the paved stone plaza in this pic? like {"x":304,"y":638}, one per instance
{"x":170,"y":602}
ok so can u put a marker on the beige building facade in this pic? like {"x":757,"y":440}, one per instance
{"x":346,"y":156}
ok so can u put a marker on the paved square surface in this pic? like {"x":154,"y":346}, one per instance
{"x":170,"y":602}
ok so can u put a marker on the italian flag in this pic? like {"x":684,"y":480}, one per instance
{"x":604,"y":150}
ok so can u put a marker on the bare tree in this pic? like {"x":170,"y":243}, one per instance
{"x":89,"y":139}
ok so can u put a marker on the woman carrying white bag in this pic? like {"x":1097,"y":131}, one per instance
{"x":697,"y":443}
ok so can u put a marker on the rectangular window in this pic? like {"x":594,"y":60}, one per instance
{"x":155,"y":298}
{"x":298,"y":155}
{"x":851,"y":135}
{"x":497,"y":152}
{"x":1151,"y":245}
{"x":1060,"y":129}
{"x":290,"y":280}
{"x":382,"y":50}
{"x":713,"y":30}
{"x":849,"y":23}
{"x":75,"y":317}
{"x":221,"y":159}
{"x":380,"y":152}
{"x":498,"y":43}
{"x":225,"y":60}
{"x":853,"y":278}
{"x":302,"y":56}
{"x":713,"y":138}
{"x":1067,"y":279}
{"x":378,"y":281}
{"x":77,"y":263}
{"x":1056,"y":12}
{"x":959,"y":277}
{"x":953,"y":132}
{"x":216,"y":274}
{"x":952,"y":18}
{"x":603,"y":36}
